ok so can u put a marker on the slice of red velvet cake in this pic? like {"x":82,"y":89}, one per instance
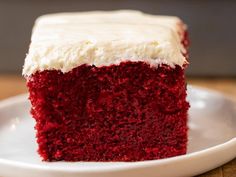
{"x":108,"y":86}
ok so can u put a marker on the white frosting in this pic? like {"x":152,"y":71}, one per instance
{"x":66,"y":40}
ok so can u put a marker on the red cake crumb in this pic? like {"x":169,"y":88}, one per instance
{"x":126,"y":112}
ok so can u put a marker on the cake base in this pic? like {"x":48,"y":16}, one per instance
{"x":125,"y":112}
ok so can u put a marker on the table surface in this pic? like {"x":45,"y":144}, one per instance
{"x":11,"y":85}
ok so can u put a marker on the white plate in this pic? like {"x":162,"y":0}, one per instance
{"x":212,"y":142}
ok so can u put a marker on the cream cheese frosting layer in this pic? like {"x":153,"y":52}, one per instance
{"x":66,"y":40}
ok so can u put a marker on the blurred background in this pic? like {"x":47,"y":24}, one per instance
{"x":212,"y":28}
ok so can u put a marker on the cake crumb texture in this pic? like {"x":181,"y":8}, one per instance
{"x":126,"y":112}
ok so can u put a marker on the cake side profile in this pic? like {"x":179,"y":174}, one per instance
{"x":108,"y":86}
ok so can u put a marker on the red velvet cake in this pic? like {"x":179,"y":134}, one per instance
{"x":108,"y":86}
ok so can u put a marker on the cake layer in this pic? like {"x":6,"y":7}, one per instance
{"x":126,"y":112}
{"x":67,"y":40}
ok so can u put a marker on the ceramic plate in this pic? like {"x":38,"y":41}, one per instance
{"x":212,"y":142}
